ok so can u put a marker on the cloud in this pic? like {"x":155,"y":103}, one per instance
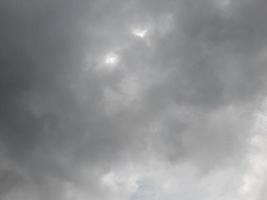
{"x":130,"y":99}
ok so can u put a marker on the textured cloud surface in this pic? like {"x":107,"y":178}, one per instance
{"x":133,"y":100}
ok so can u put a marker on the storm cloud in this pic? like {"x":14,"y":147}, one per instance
{"x":133,"y":99}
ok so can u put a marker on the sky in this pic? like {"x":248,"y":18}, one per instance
{"x":133,"y":100}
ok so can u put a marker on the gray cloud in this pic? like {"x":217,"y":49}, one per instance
{"x":73,"y":123}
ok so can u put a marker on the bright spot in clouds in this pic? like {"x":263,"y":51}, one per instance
{"x":111,"y":59}
{"x":107,"y":62}
{"x":140,"y":32}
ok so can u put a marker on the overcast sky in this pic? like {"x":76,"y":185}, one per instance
{"x":133,"y":99}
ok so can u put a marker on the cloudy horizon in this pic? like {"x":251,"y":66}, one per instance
{"x":133,"y":100}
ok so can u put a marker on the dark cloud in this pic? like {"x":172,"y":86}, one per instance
{"x":184,"y":93}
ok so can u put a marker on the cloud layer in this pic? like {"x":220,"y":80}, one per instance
{"x":133,"y":99}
